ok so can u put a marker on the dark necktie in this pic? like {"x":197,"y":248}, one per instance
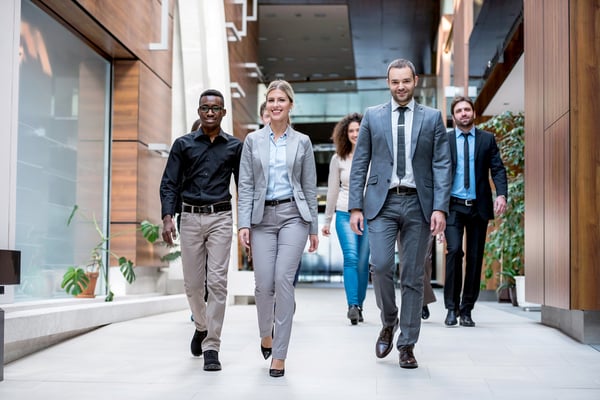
{"x":467,"y":170}
{"x":400,"y":157}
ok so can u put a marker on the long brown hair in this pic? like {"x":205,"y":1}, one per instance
{"x":343,"y":146}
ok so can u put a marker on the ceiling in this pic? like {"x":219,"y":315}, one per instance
{"x":345,"y":45}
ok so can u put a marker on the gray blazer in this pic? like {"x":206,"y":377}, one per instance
{"x":430,"y":155}
{"x":254,"y":175}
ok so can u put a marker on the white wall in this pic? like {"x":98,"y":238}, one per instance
{"x":200,"y":62}
{"x":10,"y":19}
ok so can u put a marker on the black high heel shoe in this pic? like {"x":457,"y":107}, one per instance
{"x":276,"y":373}
{"x":266,"y":351}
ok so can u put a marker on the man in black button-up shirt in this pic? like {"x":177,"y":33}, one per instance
{"x":198,"y":173}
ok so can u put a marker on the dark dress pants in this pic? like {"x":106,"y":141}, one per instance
{"x":463,"y":219}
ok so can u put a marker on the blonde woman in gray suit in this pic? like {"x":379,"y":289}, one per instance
{"x":277,"y":213}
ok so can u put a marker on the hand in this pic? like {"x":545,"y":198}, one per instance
{"x":438,"y":223}
{"x":357,"y":222}
{"x":325,"y":230}
{"x":169,"y":232}
{"x":500,"y":205}
{"x":244,"y":237}
{"x":314,"y":243}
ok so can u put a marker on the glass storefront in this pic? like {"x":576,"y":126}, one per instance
{"x":63,"y":151}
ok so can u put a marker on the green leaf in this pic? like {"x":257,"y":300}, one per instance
{"x":72,"y":215}
{"x":126,"y":267}
{"x":172,"y":256}
{"x":75,"y":281}
{"x":150,"y":231}
{"x":110,"y":296}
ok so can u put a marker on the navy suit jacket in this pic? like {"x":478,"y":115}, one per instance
{"x":487,"y":162}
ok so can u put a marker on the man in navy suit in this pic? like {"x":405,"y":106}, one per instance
{"x":406,"y":195}
{"x":471,"y":208}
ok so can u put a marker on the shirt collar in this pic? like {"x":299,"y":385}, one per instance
{"x":458,"y":132}
{"x":410,"y":105}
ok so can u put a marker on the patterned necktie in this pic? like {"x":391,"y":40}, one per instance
{"x":401,"y":155}
{"x":466,"y":156}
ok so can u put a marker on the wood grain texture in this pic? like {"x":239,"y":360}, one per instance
{"x":585,"y":153}
{"x":556,"y":60}
{"x":534,"y":157}
{"x":557,"y":237}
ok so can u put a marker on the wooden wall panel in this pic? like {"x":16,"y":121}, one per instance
{"x":534,"y":157}
{"x":242,"y":52}
{"x":557,"y":215}
{"x":136,"y":24}
{"x":585,"y":153}
{"x":556,"y":60}
{"x":126,"y":99}
{"x":154,"y":108}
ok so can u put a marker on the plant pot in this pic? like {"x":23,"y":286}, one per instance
{"x":89,"y":292}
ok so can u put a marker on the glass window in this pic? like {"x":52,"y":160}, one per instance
{"x":63,"y":142}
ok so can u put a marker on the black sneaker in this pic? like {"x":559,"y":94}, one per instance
{"x":196,"y":345}
{"x":360,"y":316}
{"x":211,"y":361}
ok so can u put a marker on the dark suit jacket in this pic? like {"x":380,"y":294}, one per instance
{"x":487,"y":161}
{"x":374,"y":155}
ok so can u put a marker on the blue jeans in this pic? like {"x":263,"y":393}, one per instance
{"x":355,"y":249}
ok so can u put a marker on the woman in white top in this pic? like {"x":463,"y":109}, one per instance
{"x":355,"y":248}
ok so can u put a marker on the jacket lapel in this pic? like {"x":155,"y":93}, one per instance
{"x":417,"y":122}
{"x":264,"y":149}
{"x":291,"y":147}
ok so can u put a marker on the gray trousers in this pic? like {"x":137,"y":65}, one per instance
{"x":400,"y":217}
{"x":277,"y":246}
{"x":205,"y":253}
{"x":428,"y":294}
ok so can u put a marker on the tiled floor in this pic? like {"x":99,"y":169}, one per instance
{"x":509,"y":355}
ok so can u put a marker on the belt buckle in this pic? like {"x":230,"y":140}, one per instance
{"x":211,"y":208}
{"x":468,"y":203}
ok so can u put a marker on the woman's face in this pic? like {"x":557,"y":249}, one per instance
{"x":353,"y":129}
{"x":278,"y":105}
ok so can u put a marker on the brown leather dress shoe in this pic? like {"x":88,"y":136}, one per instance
{"x":385,"y":339}
{"x":407,"y":358}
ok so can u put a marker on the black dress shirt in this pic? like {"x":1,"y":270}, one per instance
{"x":198,"y":171}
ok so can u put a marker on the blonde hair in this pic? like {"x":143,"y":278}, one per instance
{"x":285,"y":87}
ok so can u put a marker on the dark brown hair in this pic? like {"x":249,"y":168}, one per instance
{"x":343,"y":146}
{"x":458,"y":99}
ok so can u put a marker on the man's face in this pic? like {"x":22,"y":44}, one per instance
{"x":211,"y":112}
{"x":402,"y":84}
{"x":463,"y":116}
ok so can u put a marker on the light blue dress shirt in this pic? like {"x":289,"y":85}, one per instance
{"x":279,"y":186}
{"x":458,"y":189}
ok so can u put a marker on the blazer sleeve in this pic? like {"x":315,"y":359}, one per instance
{"x":333,"y":188}
{"x":246,"y":185}
{"x":497,"y":170}
{"x":309,"y":184}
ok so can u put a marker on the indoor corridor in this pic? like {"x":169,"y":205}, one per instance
{"x":508,"y":355}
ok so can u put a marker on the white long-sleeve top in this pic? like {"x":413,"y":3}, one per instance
{"x":338,"y":184}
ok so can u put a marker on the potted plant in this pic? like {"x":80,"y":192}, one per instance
{"x":506,"y":239}
{"x":81,"y":280}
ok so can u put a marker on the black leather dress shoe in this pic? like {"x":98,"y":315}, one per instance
{"x":466,"y":320}
{"x":211,"y":361}
{"x":425,"y":312}
{"x":196,"y":345}
{"x":451,"y":318}
{"x":407,"y":358}
{"x":385,"y":339}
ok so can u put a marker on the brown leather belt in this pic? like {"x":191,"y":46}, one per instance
{"x":207,"y":208}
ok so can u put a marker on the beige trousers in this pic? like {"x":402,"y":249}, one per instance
{"x":205,"y":253}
